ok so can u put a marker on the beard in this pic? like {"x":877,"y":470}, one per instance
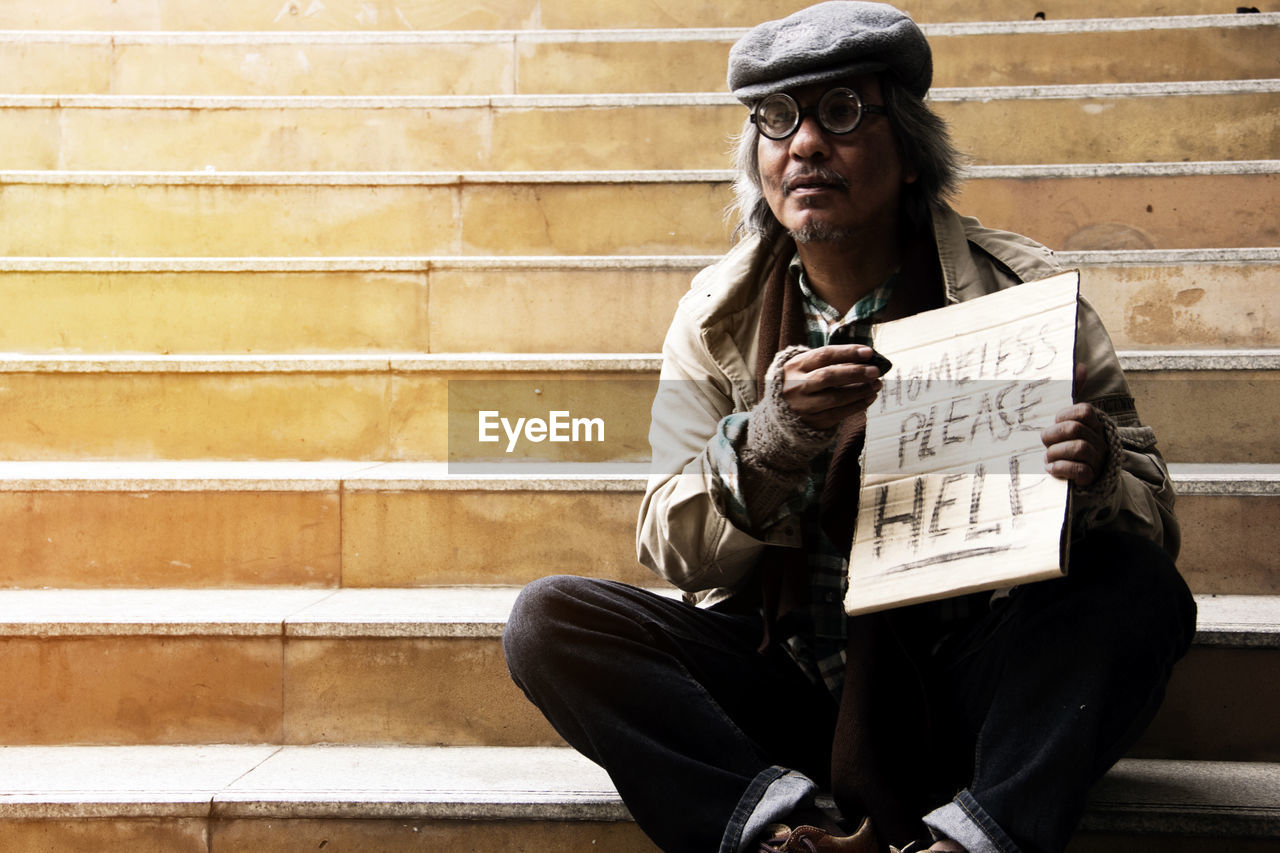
{"x":820,"y":232}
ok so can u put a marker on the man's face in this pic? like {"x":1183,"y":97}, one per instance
{"x":830,"y":187}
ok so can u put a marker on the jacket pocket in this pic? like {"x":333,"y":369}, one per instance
{"x":1137,"y":438}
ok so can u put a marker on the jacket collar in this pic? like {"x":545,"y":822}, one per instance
{"x":1020,"y":257}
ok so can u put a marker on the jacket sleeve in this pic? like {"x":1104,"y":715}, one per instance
{"x":1142,"y":500}
{"x":684,"y":533}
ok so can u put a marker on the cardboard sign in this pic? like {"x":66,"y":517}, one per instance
{"x":955,"y":497}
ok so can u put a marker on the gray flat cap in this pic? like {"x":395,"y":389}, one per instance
{"x":826,"y":42}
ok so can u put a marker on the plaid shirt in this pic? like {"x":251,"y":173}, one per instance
{"x":818,"y":646}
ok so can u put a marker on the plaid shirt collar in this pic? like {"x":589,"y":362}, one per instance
{"x":820,"y":313}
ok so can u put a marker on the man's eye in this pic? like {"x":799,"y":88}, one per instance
{"x":780,"y":115}
{"x":841,"y":112}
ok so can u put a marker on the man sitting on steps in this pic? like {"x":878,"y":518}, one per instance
{"x":974,"y":724}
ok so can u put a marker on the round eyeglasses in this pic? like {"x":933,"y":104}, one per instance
{"x":839,"y":111}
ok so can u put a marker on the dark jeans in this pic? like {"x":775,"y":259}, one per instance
{"x":1043,"y":692}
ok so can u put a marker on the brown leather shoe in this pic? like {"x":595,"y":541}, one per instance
{"x":810,"y":839}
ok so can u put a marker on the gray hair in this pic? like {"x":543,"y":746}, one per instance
{"x":923,"y":140}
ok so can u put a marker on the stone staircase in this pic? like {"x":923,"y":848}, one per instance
{"x":248,"y":253}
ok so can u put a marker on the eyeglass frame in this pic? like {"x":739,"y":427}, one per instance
{"x":815,"y":111}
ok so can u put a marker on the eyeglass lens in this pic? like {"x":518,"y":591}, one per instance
{"x":839,"y":111}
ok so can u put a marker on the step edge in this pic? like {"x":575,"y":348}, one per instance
{"x":1243,"y":479}
{"x":133,"y":799}
{"x":600,"y":801}
{"x":1106,"y":91}
{"x":1226,"y":621}
{"x":726,"y":34}
{"x":430,"y":263}
{"x":1062,"y":171}
{"x":953,"y":94}
{"x":1083,"y":25}
{"x":1243,"y":359}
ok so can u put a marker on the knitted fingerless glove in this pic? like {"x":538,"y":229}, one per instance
{"x":1104,"y":485}
{"x":779,"y":446}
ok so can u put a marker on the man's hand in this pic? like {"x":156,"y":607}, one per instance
{"x":826,"y":385}
{"x":1076,"y":448}
{"x":1077,"y":445}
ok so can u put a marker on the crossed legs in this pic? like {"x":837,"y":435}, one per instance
{"x":707,"y":739}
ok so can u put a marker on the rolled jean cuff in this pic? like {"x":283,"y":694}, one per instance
{"x":775,"y":793}
{"x":965,"y":821}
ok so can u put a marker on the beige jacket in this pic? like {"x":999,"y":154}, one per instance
{"x":709,"y":369}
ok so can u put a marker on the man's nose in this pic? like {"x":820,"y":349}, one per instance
{"x":809,"y":140}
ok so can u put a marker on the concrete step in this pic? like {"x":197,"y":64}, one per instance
{"x":378,"y":408}
{"x":1221,"y":551}
{"x":510,"y":62}
{"x":189,"y":799}
{"x":1079,"y":207}
{"x":1151,"y":806}
{"x":352,"y":524}
{"x":1151,"y":300}
{"x":1131,"y":122}
{"x":1101,"y":50}
{"x":424,"y":666}
{"x":1237,"y":385}
{"x":1217,"y":706}
{"x":1113,"y":207}
{"x":233,"y":666}
{"x":521,"y":14}
{"x":201,"y":524}
{"x":414,"y":407}
{"x":186,"y":799}
{"x":1148,"y":299}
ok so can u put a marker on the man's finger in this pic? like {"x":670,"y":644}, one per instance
{"x":842,"y":375}
{"x":811,"y":360}
{"x":1085,"y":413}
{"x":1074,"y":451}
{"x":1072,"y":430}
{"x":1076,"y":472}
{"x":810,"y":401}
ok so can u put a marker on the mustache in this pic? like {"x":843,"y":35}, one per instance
{"x":814,"y":175}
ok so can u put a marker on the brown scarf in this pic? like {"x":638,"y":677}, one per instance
{"x":881,"y":743}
